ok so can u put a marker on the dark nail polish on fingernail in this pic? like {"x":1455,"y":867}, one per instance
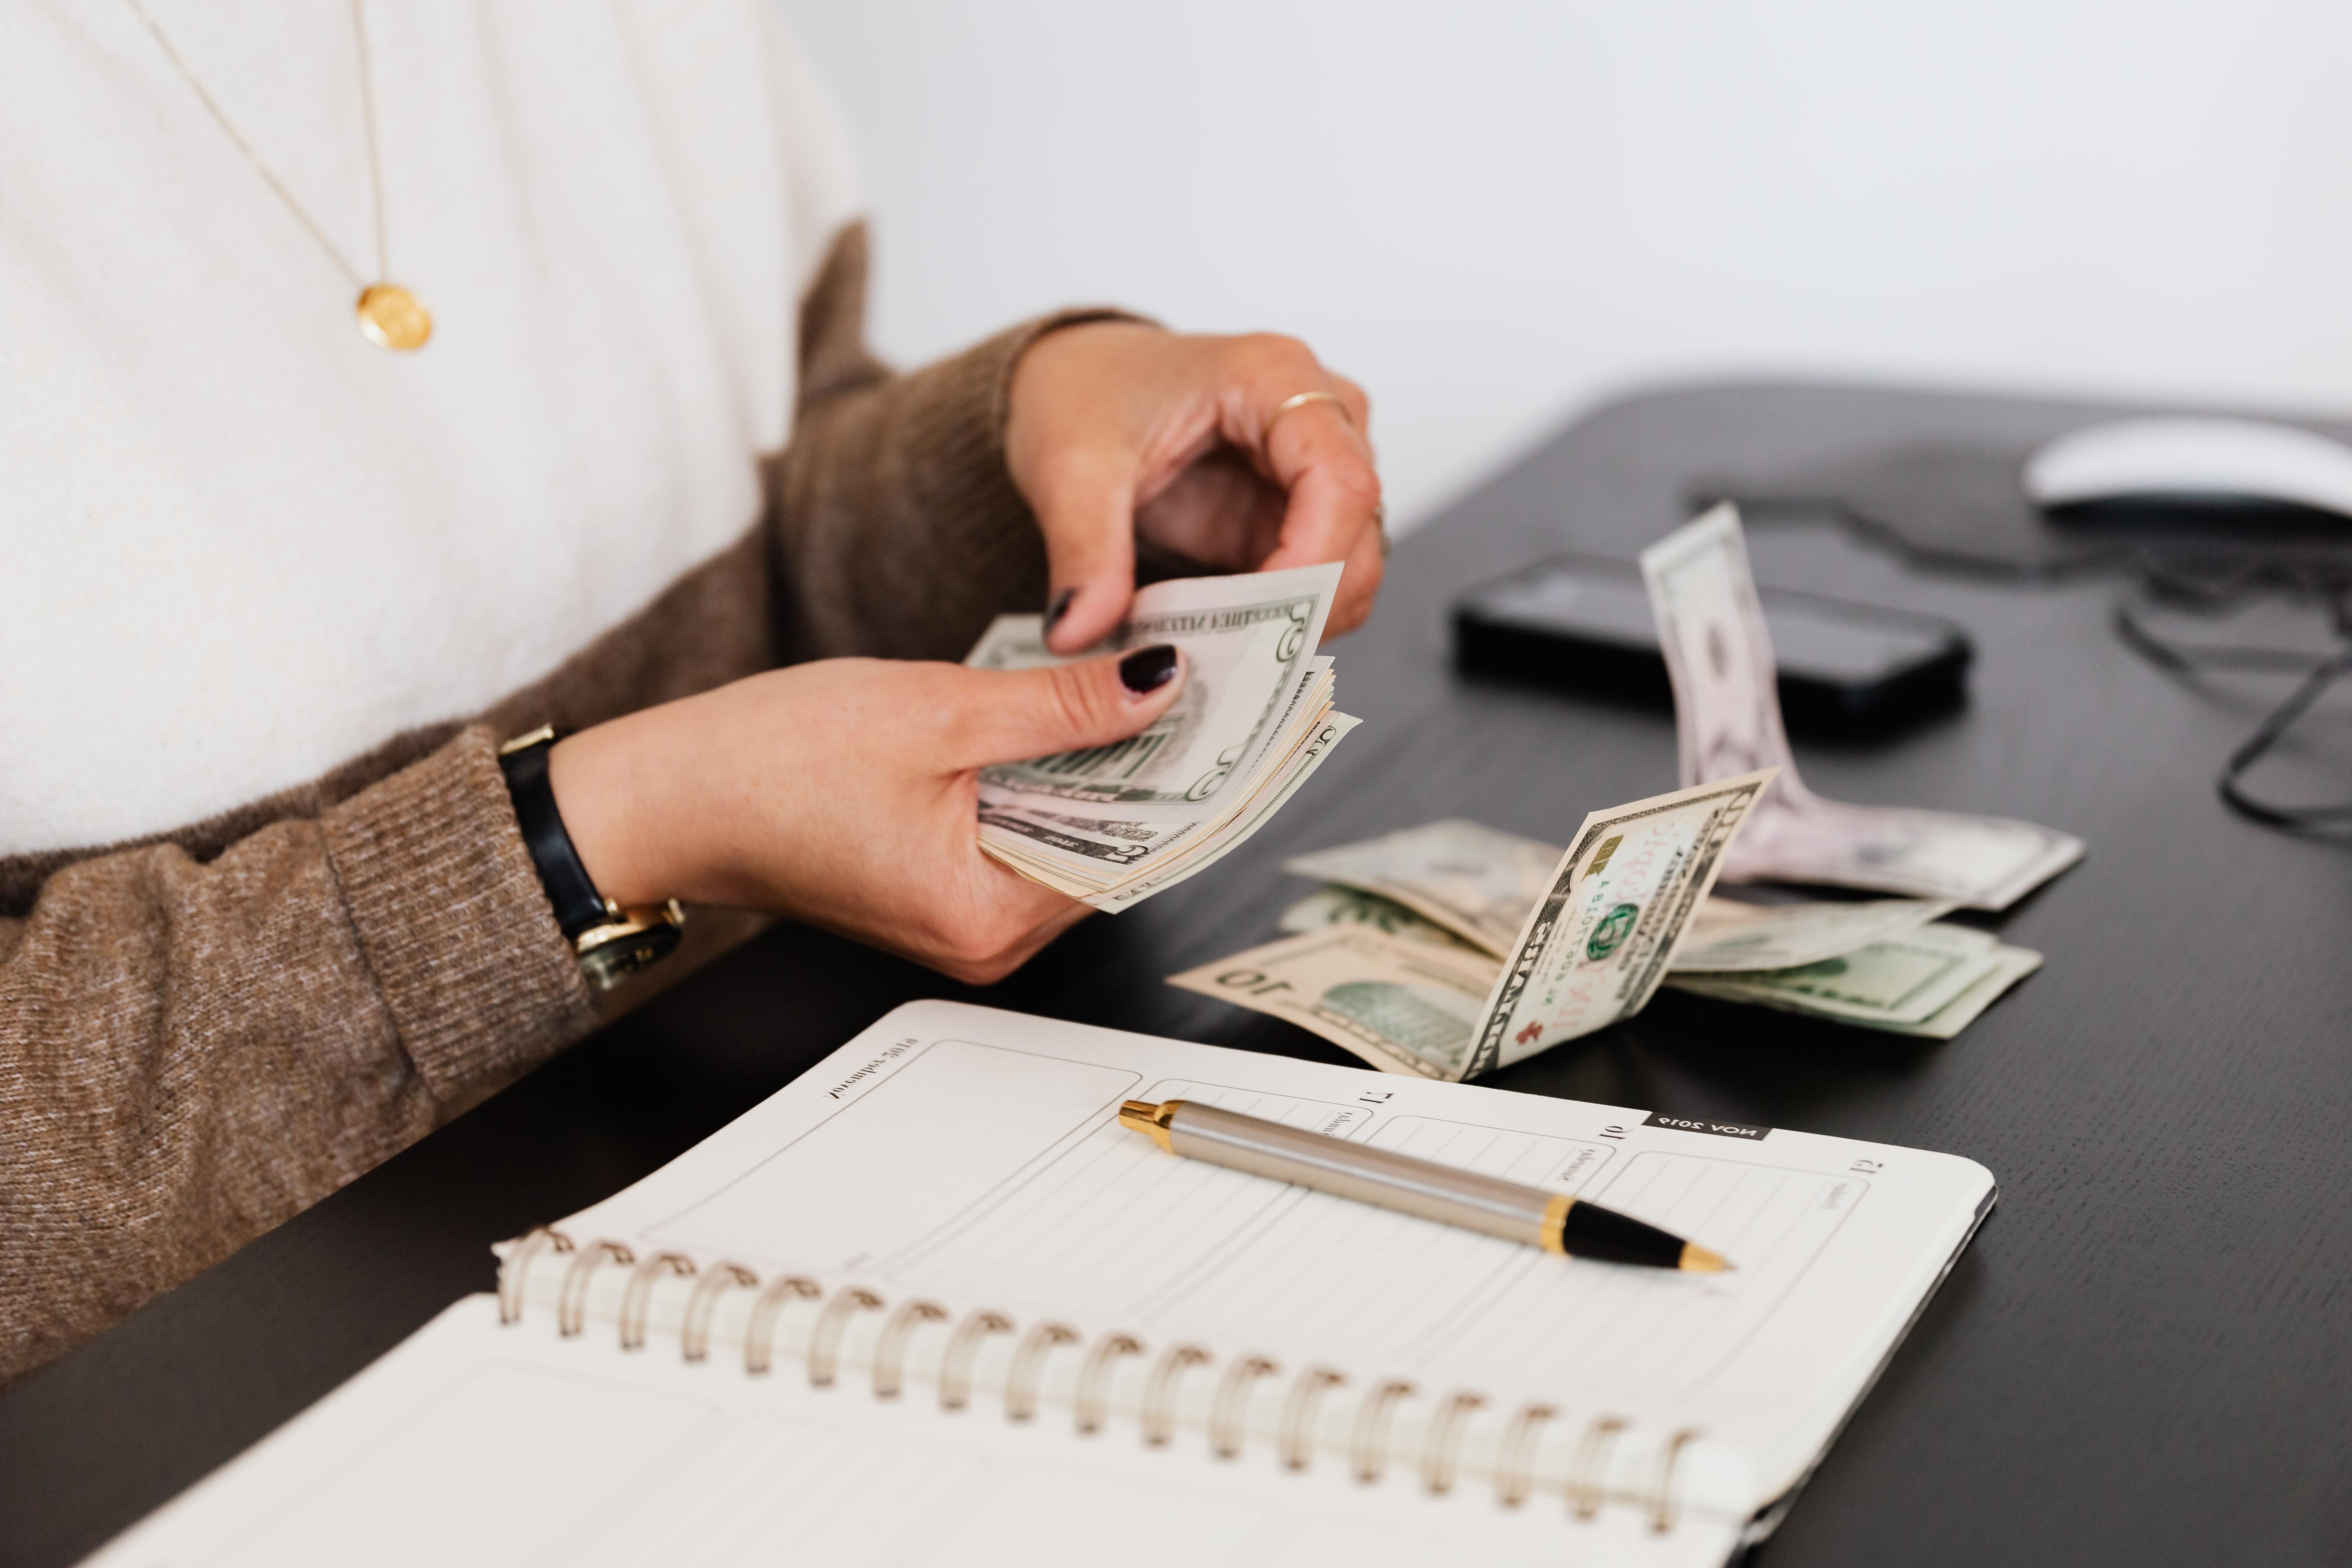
{"x":1059,"y":607}
{"x":1148,"y":669}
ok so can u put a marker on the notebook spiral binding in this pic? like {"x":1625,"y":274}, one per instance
{"x":1368,"y":1448}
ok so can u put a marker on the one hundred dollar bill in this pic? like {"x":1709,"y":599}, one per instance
{"x":1403,"y":1006}
{"x":1111,"y":824}
{"x":1727,"y":719}
{"x":1933,"y":983}
{"x":1596,"y":946}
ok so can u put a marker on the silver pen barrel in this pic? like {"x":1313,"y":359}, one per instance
{"x":1394,"y":1181}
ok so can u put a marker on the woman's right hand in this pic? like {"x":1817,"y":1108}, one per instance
{"x":843,"y":793}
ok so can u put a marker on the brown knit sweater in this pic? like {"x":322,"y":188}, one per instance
{"x":204,"y":1032}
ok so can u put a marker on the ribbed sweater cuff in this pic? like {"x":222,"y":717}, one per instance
{"x":1001,"y":353}
{"x":898,"y":529}
{"x":950,"y":432}
{"x":454,"y":926}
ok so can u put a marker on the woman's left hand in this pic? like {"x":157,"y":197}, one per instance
{"x":1118,"y":431}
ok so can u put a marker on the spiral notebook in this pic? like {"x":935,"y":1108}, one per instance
{"x":930,"y":1305}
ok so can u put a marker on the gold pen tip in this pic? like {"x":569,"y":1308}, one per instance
{"x":1148,"y":1118}
{"x":1698,"y":1259}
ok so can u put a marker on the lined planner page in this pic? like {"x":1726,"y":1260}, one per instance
{"x":1116,"y":1230}
{"x":973,"y":1154}
{"x":474,"y":1443}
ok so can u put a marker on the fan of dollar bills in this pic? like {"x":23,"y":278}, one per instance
{"x":1453,"y":948}
{"x":1114,"y":824}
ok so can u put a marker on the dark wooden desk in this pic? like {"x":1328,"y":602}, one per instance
{"x":2146,"y":1357}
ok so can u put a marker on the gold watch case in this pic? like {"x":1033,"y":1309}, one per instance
{"x":634,"y":940}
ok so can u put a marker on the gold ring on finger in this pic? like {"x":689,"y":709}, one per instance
{"x":1300,"y":400}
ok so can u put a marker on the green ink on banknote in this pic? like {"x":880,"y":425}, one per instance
{"x":1611,"y":930}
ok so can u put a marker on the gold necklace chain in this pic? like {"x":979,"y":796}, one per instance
{"x":389,"y":315}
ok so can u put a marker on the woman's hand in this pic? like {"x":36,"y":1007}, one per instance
{"x":1117,"y":430}
{"x":842,"y":793}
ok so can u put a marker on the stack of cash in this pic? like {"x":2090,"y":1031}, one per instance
{"x":1891,"y":963}
{"x":1396,"y":958}
{"x":1438,"y":950}
{"x":1457,"y":949}
{"x":1932,"y":982}
{"x":1112,"y":825}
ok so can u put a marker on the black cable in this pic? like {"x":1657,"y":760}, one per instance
{"x":2189,"y":658}
{"x":2238,"y":583}
{"x":2264,"y":737}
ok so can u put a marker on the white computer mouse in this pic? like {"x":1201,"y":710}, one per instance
{"x":2210,"y":464}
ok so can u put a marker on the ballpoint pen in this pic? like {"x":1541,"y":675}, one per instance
{"x":1447,"y":1194}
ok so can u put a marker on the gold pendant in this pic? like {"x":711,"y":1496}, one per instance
{"x":392,"y":317}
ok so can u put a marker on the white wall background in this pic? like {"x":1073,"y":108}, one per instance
{"x":1495,"y":214}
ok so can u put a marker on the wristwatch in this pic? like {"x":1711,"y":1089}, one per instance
{"x":611,"y":942}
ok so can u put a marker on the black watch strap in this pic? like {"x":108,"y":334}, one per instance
{"x":578,"y":904}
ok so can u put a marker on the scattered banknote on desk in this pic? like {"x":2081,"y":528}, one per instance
{"x":1337,"y":906}
{"x":1112,"y":825}
{"x":1403,"y":1006}
{"x":1390,"y":958}
{"x":1590,"y":946}
{"x":1727,"y":718}
{"x":1476,"y":881}
{"x":1463,"y":881}
{"x":1409,"y":999}
{"x":1358,"y":970}
{"x":1729,"y":936}
{"x":1933,"y":983}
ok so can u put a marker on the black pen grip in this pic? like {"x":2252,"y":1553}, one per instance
{"x":1608,"y":1236}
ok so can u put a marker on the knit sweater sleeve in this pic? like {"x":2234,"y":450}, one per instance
{"x":191,"y":1052}
{"x":199,"y":1038}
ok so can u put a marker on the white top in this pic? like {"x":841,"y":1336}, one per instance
{"x":242,"y":544}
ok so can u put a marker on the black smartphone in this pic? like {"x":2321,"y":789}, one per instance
{"x":1584,"y":622}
